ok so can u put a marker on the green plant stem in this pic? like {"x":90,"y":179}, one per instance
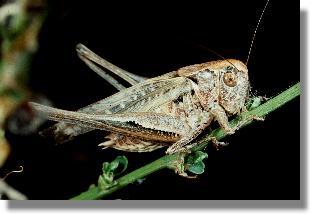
{"x":168,"y":161}
{"x":97,"y":193}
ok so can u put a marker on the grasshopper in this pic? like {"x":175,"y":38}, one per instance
{"x":170,"y":110}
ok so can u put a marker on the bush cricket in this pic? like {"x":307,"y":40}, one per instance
{"x":169,"y":110}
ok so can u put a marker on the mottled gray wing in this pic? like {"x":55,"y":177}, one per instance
{"x":127,"y":100}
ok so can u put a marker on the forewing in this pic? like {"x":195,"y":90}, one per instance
{"x":133,"y":99}
{"x":146,"y":126}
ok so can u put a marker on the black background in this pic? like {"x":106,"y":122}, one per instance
{"x":152,"y":38}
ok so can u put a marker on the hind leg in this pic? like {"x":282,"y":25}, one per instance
{"x":90,"y":58}
{"x":103,"y":74}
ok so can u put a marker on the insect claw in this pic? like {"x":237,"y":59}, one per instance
{"x":217,"y":144}
{"x":249,"y":118}
{"x":185,"y":175}
{"x":230,"y":131}
{"x":184,"y":150}
{"x":106,"y":144}
{"x":258,"y":118}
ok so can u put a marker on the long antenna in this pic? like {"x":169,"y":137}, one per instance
{"x":212,"y":51}
{"x":254,"y":35}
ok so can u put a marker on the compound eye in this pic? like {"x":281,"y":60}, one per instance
{"x":229,"y":68}
{"x":229,"y":78}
